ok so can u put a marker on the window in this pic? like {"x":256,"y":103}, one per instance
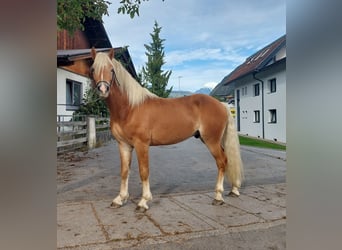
{"x":273,"y":116}
{"x":73,"y":94}
{"x":256,"y":89}
{"x":244,"y":91}
{"x":272,"y":85}
{"x":257,"y":116}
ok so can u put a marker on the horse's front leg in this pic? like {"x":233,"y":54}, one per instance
{"x":142,"y":154}
{"x":126,"y":157}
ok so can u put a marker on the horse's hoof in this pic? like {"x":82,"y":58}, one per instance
{"x":114,"y":205}
{"x":140,"y":209}
{"x":217,"y":202}
{"x":231,"y":194}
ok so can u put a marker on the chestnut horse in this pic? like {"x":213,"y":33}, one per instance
{"x":139,"y":119}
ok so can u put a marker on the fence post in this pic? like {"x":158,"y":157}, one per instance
{"x":91,"y":132}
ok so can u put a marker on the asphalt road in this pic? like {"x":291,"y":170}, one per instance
{"x":180,"y":168}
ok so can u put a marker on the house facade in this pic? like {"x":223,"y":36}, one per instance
{"x":259,"y":88}
{"x":70,"y":89}
{"x":74,"y":60}
{"x":73,"y":75}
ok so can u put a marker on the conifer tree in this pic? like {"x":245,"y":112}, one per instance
{"x":153,"y":77}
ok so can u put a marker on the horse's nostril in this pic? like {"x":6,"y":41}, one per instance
{"x":103,"y":87}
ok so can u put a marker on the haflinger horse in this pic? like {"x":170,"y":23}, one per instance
{"x":139,"y":119}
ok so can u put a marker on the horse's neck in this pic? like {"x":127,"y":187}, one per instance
{"x":118,"y":105}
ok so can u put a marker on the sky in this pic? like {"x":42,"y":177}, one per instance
{"x":205,"y":40}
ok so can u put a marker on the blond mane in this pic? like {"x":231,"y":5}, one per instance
{"x":136,"y":94}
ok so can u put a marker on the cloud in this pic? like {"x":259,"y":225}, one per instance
{"x":210,"y":85}
{"x":204,"y":40}
{"x":194,"y":78}
{"x":180,"y":56}
{"x":177,"y":57}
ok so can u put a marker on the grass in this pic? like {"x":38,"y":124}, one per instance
{"x":247,"y":141}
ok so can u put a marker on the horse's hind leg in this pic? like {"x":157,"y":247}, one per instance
{"x":126,"y":157}
{"x":142,"y":154}
{"x":221,"y":160}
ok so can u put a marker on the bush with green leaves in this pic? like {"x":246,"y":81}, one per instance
{"x":92,"y":105}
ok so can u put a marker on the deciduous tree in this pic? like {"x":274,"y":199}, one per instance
{"x":72,"y":13}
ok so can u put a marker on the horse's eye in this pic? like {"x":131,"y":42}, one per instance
{"x":91,"y":72}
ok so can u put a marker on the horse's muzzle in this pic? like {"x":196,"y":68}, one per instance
{"x":103,"y":88}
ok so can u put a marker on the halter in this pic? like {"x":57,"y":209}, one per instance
{"x":109,"y":84}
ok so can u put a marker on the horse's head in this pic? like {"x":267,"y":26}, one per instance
{"x":102,"y":71}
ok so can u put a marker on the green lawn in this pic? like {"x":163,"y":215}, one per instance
{"x":247,"y":141}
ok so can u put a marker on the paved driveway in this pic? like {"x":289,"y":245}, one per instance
{"x":182,"y":179}
{"x":183,"y":167}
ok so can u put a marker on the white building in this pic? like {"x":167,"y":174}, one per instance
{"x":70,"y":89}
{"x":73,"y":76}
{"x":73,"y":62}
{"x":259,"y":87}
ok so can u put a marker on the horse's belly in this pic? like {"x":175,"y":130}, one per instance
{"x":167,"y":140}
{"x":171,"y":134}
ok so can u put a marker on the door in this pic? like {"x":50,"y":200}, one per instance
{"x":238,"y":109}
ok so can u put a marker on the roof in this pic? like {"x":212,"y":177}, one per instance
{"x":96,"y":33}
{"x":97,"y":37}
{"x":254,"y":63}
{"x":93,"y":35}
{"x":67,"y":57}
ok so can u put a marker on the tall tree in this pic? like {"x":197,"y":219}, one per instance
{"x":153,"y":76}
{"x":72,"y":13}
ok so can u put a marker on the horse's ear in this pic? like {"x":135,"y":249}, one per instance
{"x":111,"y":53}
{"x":93,"y":53}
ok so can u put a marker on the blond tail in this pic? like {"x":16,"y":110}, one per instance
{"x":231,"y":144}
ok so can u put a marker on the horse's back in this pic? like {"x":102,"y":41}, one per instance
{"x":209,"y":108}
{"x":175,"y":119}
{"x":193,"y":105}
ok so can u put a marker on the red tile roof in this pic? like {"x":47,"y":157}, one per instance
{"x":256,"y":61}
{"x":252,"y":64}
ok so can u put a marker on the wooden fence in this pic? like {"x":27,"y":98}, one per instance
{"x":74,"y":132}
